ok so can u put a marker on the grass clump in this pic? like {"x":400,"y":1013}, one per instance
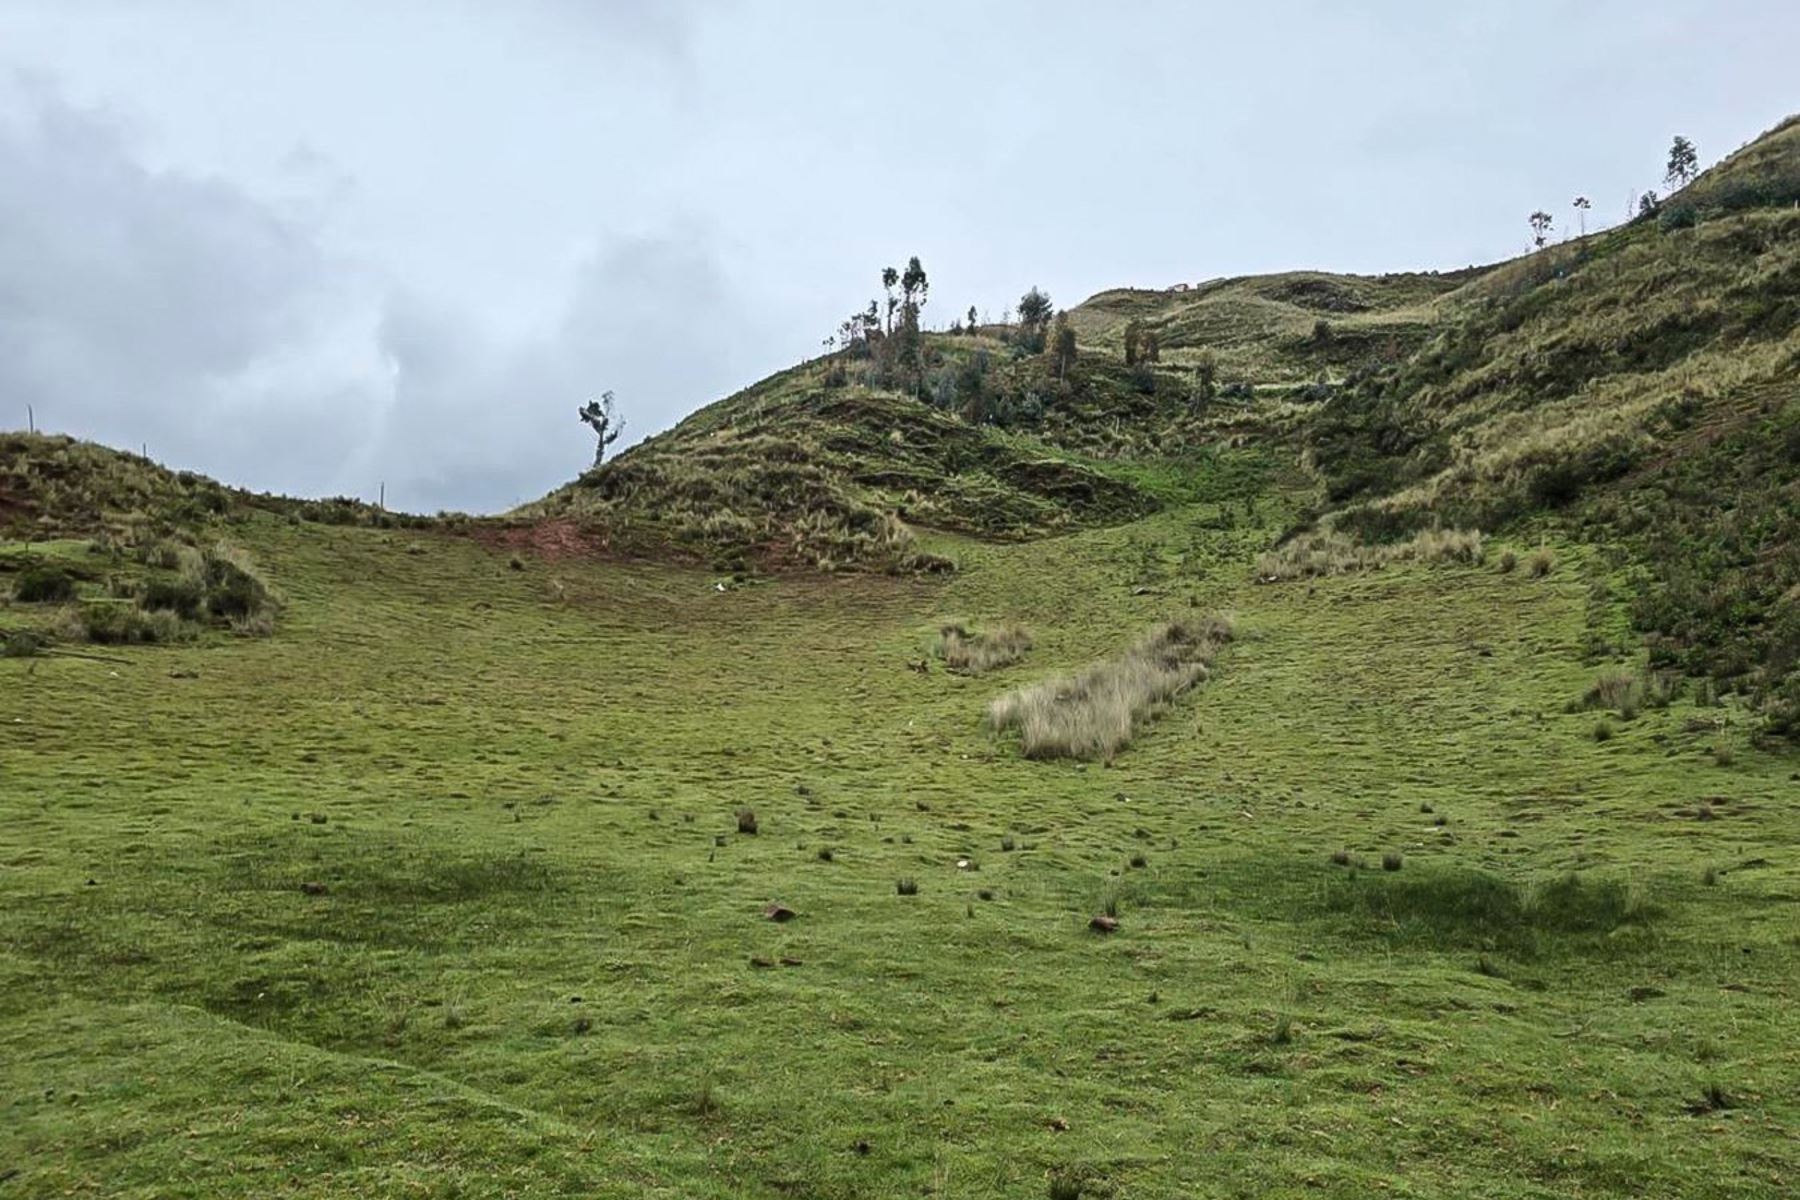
{"x":1094,"y":713}
{"x":1329,"y":552}
{"x":969,"y":653}
{"x":1626,"y":693}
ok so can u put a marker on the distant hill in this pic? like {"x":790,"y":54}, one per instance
{"x":1639,"y":382}
{"x":52,"y":486}
{"x":1637,"y":387}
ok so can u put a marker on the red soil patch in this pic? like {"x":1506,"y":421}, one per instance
{"x":555,"y":539}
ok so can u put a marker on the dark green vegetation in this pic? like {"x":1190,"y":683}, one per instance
{"x":577,"y":855}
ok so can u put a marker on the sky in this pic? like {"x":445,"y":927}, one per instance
{"x":335,"y":247}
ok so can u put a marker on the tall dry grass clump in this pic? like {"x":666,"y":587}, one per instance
{"x":1329,"y":552}
{"x":971,"y":653}
{"x":1093,"y":713}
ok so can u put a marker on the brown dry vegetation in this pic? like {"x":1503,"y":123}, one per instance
{"x":973,"y":653}
{"x":1093,"y":713}
{"x":1328,"y":552}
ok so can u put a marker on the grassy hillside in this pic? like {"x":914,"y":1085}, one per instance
{"x":104,"y":546}
{"x":1641,"y":385}
{"x":817,"y":472}
{"x":1337,"y":764}
{"x":440,"y":890}
{"x":1635,"y":388}
{"x":1276,"y":329}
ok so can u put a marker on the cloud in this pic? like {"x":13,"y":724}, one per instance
{"x":656,"y":318}
{"x":152,"y":307}
{"x":155,"y":307}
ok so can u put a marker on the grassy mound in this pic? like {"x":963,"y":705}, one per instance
{"x":795,"y":473}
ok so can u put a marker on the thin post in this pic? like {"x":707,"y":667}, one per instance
{"x":30,"y":419}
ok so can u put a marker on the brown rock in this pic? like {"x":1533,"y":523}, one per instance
{"x":779,"y":912}
{"x":1104,"y":924}
{"x":313,"y":888}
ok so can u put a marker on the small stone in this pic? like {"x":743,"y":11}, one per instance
{"x":779,"y":912}
{"x":313,"y":887}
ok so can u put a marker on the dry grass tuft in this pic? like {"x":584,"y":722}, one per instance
{"x":1093,"y":713}
{"x":976,"y":653}
{"x":1328,"y":552}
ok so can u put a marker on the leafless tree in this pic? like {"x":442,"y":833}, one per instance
{"x":603,"y":417}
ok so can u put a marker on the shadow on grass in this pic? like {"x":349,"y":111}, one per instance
{"x":1468,"y":908}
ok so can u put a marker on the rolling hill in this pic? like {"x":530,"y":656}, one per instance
{"x":1328,"y":762}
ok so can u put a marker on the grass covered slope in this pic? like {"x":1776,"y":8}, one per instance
{"x":1268,"y":330}
{"x":440,"y":891}
{"x":1642,"y":385}
{"x":100,"y":545}
{"x":800,"y":470}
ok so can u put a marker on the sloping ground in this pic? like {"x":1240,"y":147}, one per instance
{"x":1644,"y":383}
{"x":53,"y":486}
{"x":439,"y":892}
{"x":58,"y":487}
{"x":99,"y":545}
{"x":1276,"y":329}
{"x":793,"y":472}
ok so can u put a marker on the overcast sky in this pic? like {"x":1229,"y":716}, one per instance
{"x":317,"y":247}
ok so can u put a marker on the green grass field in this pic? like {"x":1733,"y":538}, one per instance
{"x":440,"y":892}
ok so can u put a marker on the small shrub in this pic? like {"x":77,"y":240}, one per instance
{"x":1139,"y":862}
{"x":1508,"y":562}
{"x":826,"y":854}
{"x":1621,"y":691}
{"x":184,"y":597}
{"x":1007,"y":843}
{"x":746,"y":820}
{"x":44,"y":585}
{"x":1541,"y":562}
{"x":1391,"y":861}
{"x":1341,"y":857}
{"x":235,"y":590}
{"x":906,"y":886}
{"x":975,"y":653}
{"x":1603,"y":730}
{"x":109,"y":622}
{"x":23,"y":643}
{"x":1283,"y":1033}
